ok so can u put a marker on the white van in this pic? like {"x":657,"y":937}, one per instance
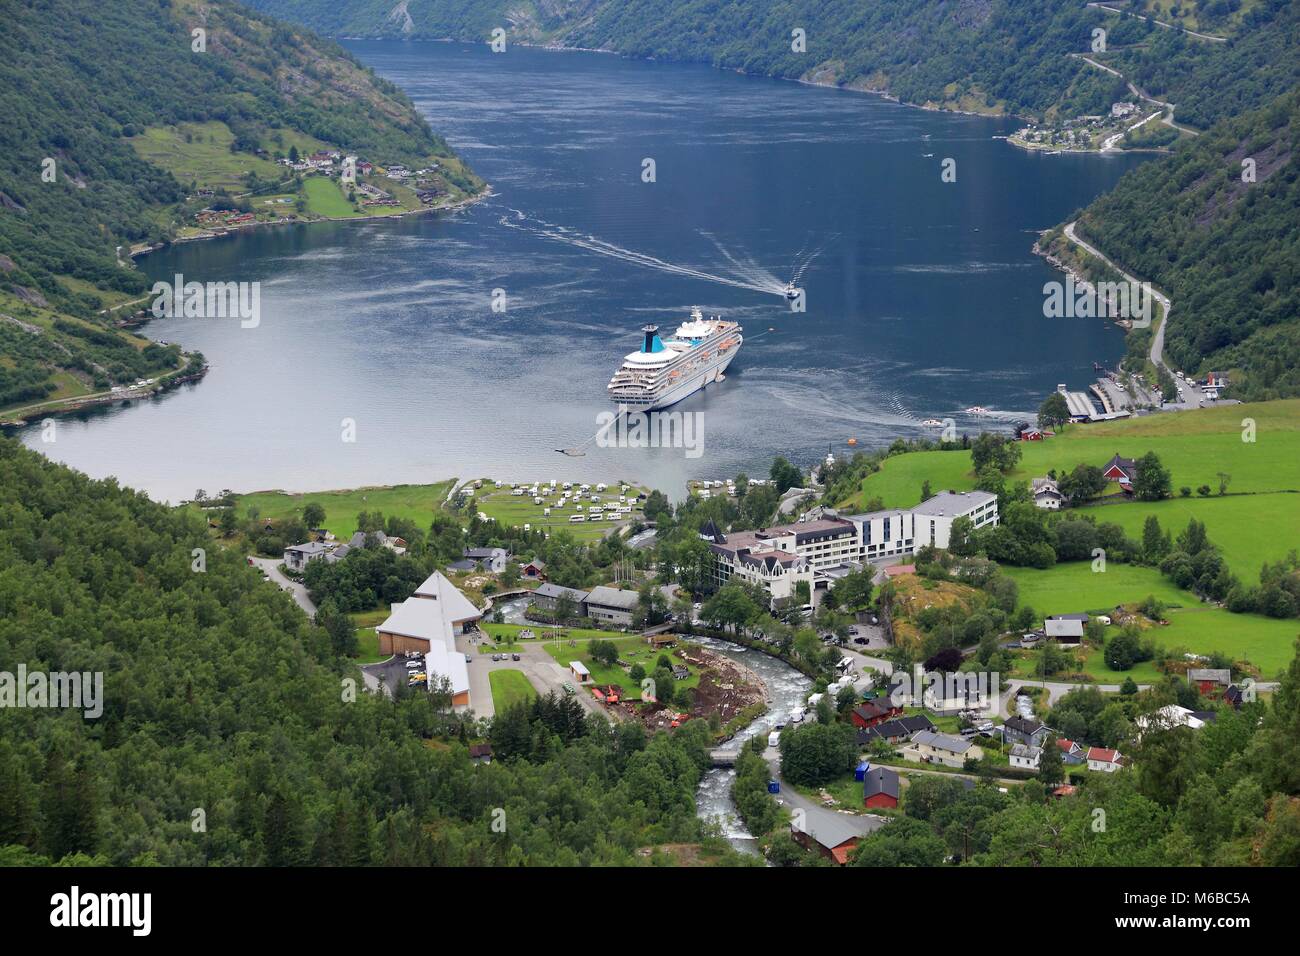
{"x":546,"y":512}
{"x":528,"y":527}
{"x":797,"y":715}
{"x":774,"y":738}
{"x":574,"y":519}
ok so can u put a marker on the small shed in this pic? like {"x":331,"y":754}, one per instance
{"x":860,"y":771}
{"x":580,"y":672}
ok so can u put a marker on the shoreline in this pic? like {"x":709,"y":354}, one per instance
{"x":465,"y":203}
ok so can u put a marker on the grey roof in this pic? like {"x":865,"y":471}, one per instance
{"x":943,"y":742}
{"x":880,"y":780}
{"x":831,"y":829}
{"x":463,"y":565}
{"x":949,"y":503}
{"x":1025,"y":750}
{"x":1216,"y":674}
{"x":480,"y":553}
{"x":898,"y":727}
{"x":1025,"y":725}
{"x":612,"y":597}
{"x":1069,"y":617}
{"x":555,"y":591}
{"x":310,"y":547}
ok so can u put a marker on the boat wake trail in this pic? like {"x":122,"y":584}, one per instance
{"x":747,"y":273}
{"x":800,"y":266}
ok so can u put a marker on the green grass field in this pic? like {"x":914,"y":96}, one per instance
{"x":1267,"y":643}
{"x":1248,"y":529}
{"x":632,"y":649}
{"x":369,"y":641}
{"x":414,"y":502}
{"x":1194,"y":446}
{"x":518,"y":510}
{"x":205,"y":159}
{"x":510,"y":687}
{"x":325,"y":198}
{"x":1073,"y":587}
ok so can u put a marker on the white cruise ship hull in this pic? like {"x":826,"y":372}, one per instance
{"x":662,"y":373}
{"x":684,"y":388}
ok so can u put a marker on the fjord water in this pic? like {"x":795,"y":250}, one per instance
{"x":923,"y":297}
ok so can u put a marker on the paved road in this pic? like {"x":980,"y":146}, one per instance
{"x":1160,"y":23}
{"x":541,"y":669}
{"x":1133,"y":88}
{"x":1189,"y":396}
{"x":272,"y":568}
{"x":812,"y":809}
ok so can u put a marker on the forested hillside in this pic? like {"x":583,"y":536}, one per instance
{"x":232,"y":734}
{"x":982,"y":55}
{"x":1225,"y":250}
{"x":80,"y":82}
{"x":221,"y":697}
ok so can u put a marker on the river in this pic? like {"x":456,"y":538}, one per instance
{"x":786,"y":689}
{"x":922,"y":295}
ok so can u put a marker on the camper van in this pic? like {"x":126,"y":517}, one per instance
{"x":774,"y":738}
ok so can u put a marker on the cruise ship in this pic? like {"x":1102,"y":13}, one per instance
{"x":662,"y":373}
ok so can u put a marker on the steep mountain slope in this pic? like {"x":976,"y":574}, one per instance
{"x":83,"y":85}
{"x":1227,"y":251}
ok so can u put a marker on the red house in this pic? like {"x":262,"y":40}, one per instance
{"x":880,"y":788}
{"x":1123,"y":470}
{"x":872,"y":712}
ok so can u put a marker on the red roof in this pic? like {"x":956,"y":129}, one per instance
{"x":1066,"y":745}
{"x":1102,"y":754}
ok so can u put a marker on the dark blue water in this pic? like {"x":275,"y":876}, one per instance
{"x":923,"y":296}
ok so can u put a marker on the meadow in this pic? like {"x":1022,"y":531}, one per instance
{"x":414,"y":502}
{"x":1199,"y":628}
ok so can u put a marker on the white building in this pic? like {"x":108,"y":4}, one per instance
{"x":1104,"y":760}
{"x":428,"y":624}
{"x":1046,"y":494}
{"x":934,"y":517}
{"x":780,"y":556}
{"x":297,"y":557}
{"x":1065,"y":626}
{"x":1026,"y":756}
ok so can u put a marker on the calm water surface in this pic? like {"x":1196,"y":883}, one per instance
{"x":923,"y":296}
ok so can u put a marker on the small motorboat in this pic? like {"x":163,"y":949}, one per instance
{"x":977,"y":410}
{"x":932,"y":423}
{"x":790,"y":291}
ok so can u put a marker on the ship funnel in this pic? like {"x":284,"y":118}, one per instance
{"x":652,"y":341}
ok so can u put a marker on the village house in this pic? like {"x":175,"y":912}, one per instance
{"x":1104,"y":759}
{"x":480,"y":753}
{"x":1046,"y":494}
{"x":1024,"y":730}
{"x":490,"y":559}
{"x":1071,"y":753}
{"x":534,"y":570}
{"x":894,"y":731}
{"x":1062,"y":627}
{"x":872,"y":712}
{"x":835,"y":835}
{"x":929,"y":747}
{"x":297,"y":557}
{"x":1025,"y":756}
{"x":1210,"y":681}
{"x":879,"y":788}
{"x":1122,"y":470}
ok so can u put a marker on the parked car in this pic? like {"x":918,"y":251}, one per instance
{"x":514,"y":657}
